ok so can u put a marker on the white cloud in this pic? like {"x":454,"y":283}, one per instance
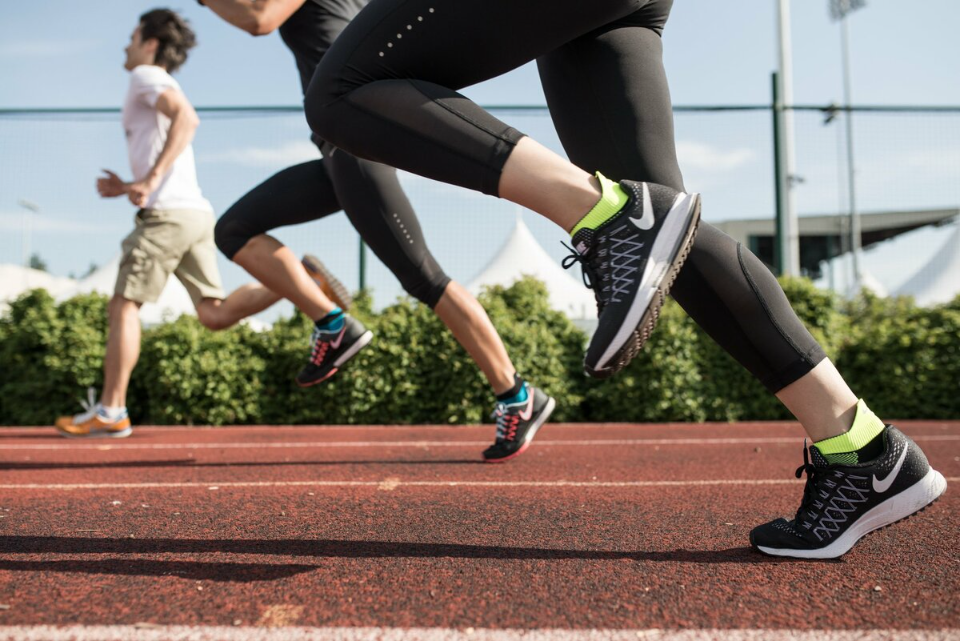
{"x":44,"y":48}
{"x":701,"y":156}
{"x":290,"y":153}
{"x":937,"y":161}
{"x":13,"y":222}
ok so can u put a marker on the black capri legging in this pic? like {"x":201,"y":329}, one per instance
{"x":386,"y":91}
{"x":373,"y":200}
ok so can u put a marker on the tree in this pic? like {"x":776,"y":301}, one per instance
{"x":37,"y":263}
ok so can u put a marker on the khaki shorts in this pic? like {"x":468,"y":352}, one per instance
{"x":169,"y":241}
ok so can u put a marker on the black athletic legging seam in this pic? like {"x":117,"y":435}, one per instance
{"x":434,"y":288}
{"x":766,"y":308}
{"x":460,"y":115}
{"x":416,"y":134}
{"x":770,"y":381}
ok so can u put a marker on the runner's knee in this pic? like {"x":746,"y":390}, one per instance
{"x":208,"y":313}
{"x":318,"y":104}
{"x":427,"y":286}
{"x":232,"y":232}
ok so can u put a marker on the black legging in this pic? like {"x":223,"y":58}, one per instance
{"x":386,"y":91}
{"x":373,"y":200}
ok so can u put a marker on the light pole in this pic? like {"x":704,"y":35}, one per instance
{"x":788,"y":240}
{"x":839,"y":10}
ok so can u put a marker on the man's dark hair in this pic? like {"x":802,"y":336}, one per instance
{"x":173,"y":33}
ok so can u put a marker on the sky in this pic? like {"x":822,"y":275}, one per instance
{"x":55,"y":53}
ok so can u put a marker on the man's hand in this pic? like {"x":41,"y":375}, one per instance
{"x":139,"y":192}
{"x":111,"y":185}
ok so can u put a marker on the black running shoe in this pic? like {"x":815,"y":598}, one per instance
{"x":517,"y":424}
{"x":630,"y":262}
{"x":331,"y":349}
{"x":327,"y":282}
{"x":842,"y":504}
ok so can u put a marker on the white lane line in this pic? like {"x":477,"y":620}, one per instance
{"x":150,"y":632}
{"x":103,"y":446}
{"x":395,"y":483}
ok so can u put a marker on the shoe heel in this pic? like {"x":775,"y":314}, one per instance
{"x":359,"y":344}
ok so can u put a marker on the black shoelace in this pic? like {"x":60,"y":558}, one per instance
{"x":812,"y":488}
{"x":590,"y":266}
{"x":830,"y":496}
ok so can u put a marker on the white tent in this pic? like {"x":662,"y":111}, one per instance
{"x":938,"y":281}
{"x":903,"y":266}
{"x":173,"y":302}
{"x":870,"y":283}
{"x":15,"y":280}
{"x":522,"y":256}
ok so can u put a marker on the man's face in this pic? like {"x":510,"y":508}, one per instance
{"x":139,"y":52}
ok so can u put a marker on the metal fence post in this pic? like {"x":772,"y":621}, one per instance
{"x":363,"y":264}
{"x":778,"y":178}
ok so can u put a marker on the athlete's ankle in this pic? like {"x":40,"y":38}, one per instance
{"x":516,"y":394}
{"x":859,"y":444}
{"x":112,"y":412}
{"x":332,"y":321}
{"x":612,"y":200}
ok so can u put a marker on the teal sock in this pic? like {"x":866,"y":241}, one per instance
{"x":332,"y":322}
{"x":516,"y":394}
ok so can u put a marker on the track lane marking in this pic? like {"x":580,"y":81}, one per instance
{"x":152,"y":632}
{"x":101,"y":446}
{"x":395,"y":483}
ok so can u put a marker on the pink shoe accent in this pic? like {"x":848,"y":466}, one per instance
{"x":523,"y":448}
{"x":318,"y":381}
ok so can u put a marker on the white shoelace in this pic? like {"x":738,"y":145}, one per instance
{"x":623,"y":270}
{"x":91,"y":407}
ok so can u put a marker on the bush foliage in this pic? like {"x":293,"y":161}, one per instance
{"x":904,"y":359}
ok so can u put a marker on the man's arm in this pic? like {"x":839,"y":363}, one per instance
{"x":256,"y":17}
{"x":183,"y":123}
{"x":111,"y":185}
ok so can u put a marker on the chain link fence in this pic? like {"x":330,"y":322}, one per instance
{"x":907,"y":159}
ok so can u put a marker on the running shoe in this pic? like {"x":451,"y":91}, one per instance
{"x":327,"y":282}
{"x":517,"y":424}
{"x":94,"y":422}
{"x":843,"y":503}
{"x":630,"y":262}
{"x":331,"y":349}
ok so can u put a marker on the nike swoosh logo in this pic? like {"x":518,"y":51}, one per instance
{"x":646,"y":221}
{"x":525,"y":415}
{"x":884,"y":485}
{"x":335,"y":344}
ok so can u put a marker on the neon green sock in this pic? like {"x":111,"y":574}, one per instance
{"x":612,"y":200}
{"x":844,"y":448}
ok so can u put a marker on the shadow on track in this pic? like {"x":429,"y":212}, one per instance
{"x":192,"y":463}
{"x":197,"y":571}
{"x":345,"y":549}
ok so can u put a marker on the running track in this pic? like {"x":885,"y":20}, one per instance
{"x":604,"y":531}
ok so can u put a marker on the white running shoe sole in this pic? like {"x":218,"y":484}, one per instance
{"x":667,"y":256}
{"x":910,"y":501}
{"x":124,"y":433}
{"x":361,"y":342}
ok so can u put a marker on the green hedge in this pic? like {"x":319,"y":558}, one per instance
{"x":905,"y":360}
{"x":682,"y":375}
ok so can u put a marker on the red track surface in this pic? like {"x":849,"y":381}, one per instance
{"x":404,"y":527}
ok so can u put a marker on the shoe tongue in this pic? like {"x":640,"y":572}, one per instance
{"x":583,"y":240}
{"x":819,"y":460}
